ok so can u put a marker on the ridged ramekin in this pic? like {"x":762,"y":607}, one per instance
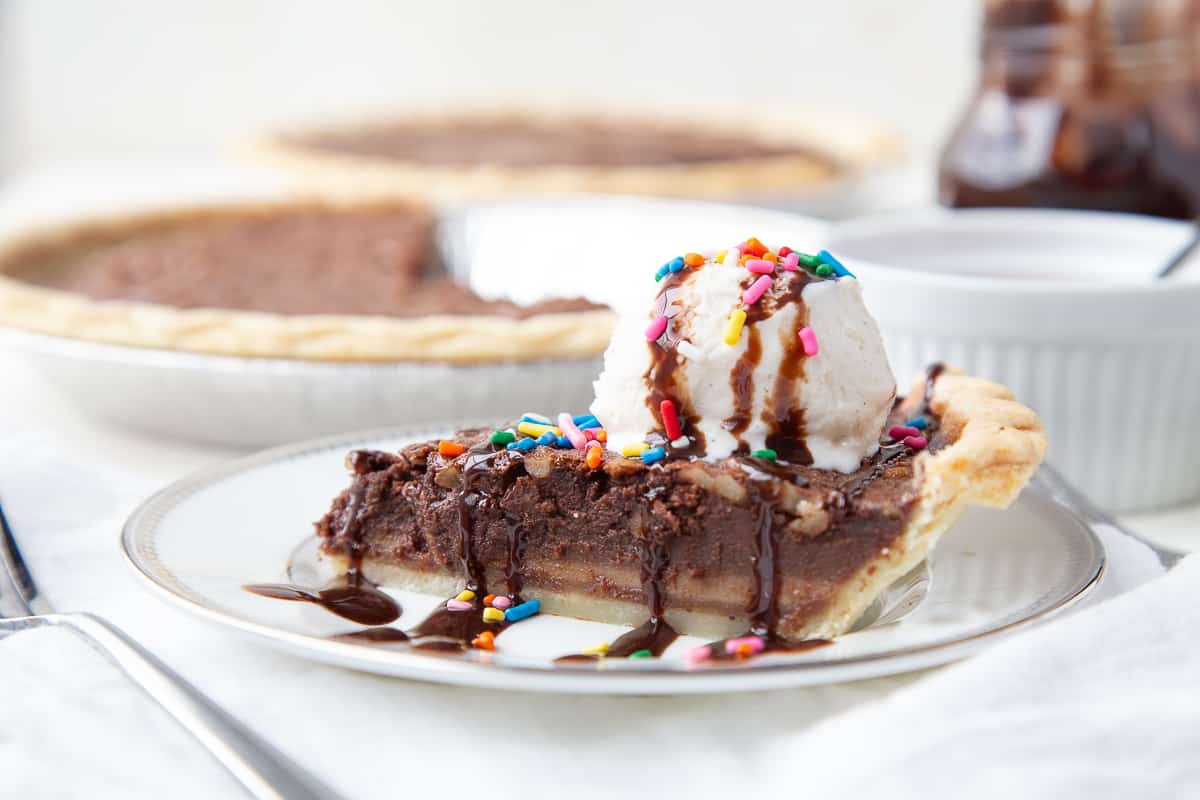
{"x":1060,"y":307}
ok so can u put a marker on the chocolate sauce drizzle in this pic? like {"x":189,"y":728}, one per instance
{"x":350,"y":596}
{"x":741,"y":384}
{"x":661,"y":381}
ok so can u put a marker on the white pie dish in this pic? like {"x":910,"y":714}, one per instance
{"x":1059,"y":306}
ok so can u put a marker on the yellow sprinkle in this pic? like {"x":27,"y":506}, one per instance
{"x":634,"y":450}
{"x":721,"y":256}
{"x":466,"y":595}
{"x":534,"y":429}
{"x":598,"y":650}
{"x":733,"y":330}
{"x":493,"y":615}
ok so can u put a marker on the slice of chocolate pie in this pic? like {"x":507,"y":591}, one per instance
{"x":747,"y":469}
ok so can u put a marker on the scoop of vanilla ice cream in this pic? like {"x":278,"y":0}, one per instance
{"x":762,"y":392}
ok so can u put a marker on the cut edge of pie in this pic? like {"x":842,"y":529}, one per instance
{"x":849,"y":144}
{"x":995,"y":444}
{"x":455,"y":339}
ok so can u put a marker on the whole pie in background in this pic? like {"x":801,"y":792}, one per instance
{"x":355,"y":281}
{"x":450,"y":155}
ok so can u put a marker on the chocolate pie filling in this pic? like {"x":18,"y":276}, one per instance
{"x":533,"y":143}
{"x":772,"y":542}
{"x":306,"y":260}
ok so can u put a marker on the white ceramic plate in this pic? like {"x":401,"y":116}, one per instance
{"x":615,"y":244}
{"x":199,"y":541}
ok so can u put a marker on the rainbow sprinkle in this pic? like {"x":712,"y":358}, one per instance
{"x":571,"y":431}
{"x":537,"y":429}
{"x":502,"y":437}
{"x":634,"y":450}
{"x":808,"y":338}
{"x":733,"y":329}
{"x":450,"y":449}
{"x":652,"y":455}
{"x":756,"y":290}
{"x":656,"y":328}
{"x":670,"y":419}
{"x":838,"y":268}
{"x":523,"y":611}
{"x":594,"y":456}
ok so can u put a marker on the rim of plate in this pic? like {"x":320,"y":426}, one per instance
{"x":644,"y":677}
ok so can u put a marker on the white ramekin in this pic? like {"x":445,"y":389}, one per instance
{"x":1058,"y":305}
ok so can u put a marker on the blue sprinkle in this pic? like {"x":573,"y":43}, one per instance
{"x":510,"y":446}
{"x":537,"y":419}
{"x":675,"y":264}
{"x":524,"y":445}
{"x":586,"y":421}
{"x":662,"y":272}
{"x":548,"y":438}
{"x":653,"y":455}
{"x":919,"y":423}
{"x":523,"y":611}
{"x":838,"y":268}
{"x":563,"y":443}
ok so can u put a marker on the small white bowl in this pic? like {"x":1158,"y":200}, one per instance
{"x":1061,"y":307}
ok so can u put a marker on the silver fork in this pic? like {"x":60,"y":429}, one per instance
{"x":261,"y":769}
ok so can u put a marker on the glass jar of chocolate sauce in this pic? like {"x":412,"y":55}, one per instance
{"x":1091,"y":104}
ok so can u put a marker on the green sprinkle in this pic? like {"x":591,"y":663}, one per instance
{"x":812,"y":262}
{"x":824,"y":270}
{"x":503,"y":437}
{"x":766,"y":453}
{"x":641,"y":654}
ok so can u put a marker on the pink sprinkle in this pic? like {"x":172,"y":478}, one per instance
{"x":756,"y":290}
{"x":571,"y":430}
{"x":808,"y":338}
{"x":760,"y":266}
{"x":698,"y":654}
{"x":899,"y":432}
{"x":791,"y":261}
{"x":458,"y":605}
{"x":732,"y":646}
{"x":589,"y":433}
{"x":501,"y":602}
{"x":916,"y":442}
{"x":656,"y":328}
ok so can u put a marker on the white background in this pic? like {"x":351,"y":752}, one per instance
{"x":140,"y":77}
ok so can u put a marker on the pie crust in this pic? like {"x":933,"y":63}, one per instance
{"x":456,"y":339}
{"x":848,"y":145}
